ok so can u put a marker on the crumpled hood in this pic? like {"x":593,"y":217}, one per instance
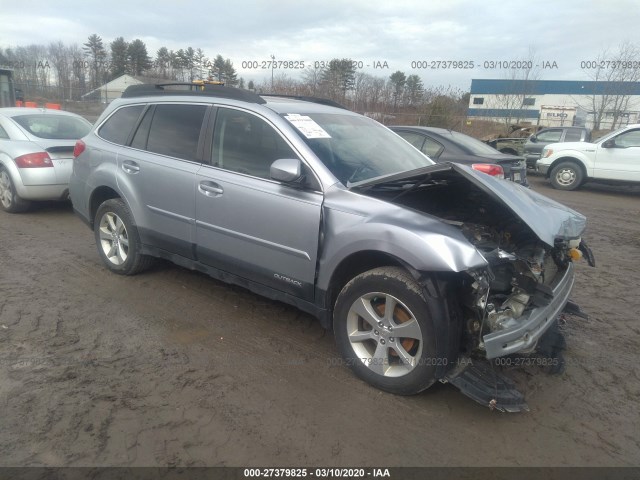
{"x":548,"y":219}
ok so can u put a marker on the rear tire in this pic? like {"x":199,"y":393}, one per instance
{"x":566,"y":176}
{"x":117,"y":239}
{"x":10,"y":202}
{"x":394,"y":351}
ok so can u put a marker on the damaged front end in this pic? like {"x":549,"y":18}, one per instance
{"x":511,"y":305}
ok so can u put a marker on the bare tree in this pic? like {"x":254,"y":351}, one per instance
{"x":521,"y":80}
{"x":614,"y":73}
{"x":62,"y":62}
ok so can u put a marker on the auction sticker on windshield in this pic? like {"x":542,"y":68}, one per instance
{"x":307,"y":126}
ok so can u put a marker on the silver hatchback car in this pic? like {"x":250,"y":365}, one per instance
{"x":425,"y":272}
{"x":36,"y":154}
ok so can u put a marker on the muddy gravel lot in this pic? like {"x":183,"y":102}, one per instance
{"x":172,"y":368}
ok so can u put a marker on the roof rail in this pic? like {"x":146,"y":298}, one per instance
{"x":185,"y":88}
{"x":322,"y":101}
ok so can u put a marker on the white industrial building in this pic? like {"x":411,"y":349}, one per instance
{"x":554,"y":102}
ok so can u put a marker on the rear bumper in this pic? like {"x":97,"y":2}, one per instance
{"x":43,"y":192}
{"x":533,"y":324}
{"x":531,"y":159}
{"x":517,"y":173}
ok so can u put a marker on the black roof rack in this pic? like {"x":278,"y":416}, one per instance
{"x":206,"y":89}
{"x":322,"y":101}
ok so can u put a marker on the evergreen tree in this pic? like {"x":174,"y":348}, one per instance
{"x":139,"y":60}
{"x":119,"y":57}
{"x":94,"y":50}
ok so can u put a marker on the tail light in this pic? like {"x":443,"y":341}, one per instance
{"x":489,"y":169}
{"x":34,"y":160}
{"x":79,"y":148}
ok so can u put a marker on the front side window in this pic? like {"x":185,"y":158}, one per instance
{"x":54,"y":127}
{"x":175,"y":130}
{"x":628,"y":139}
{"x":245,"y":143}
{"x":118,"y":126}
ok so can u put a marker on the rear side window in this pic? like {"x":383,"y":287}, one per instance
{"x":549,"y":136}
{"x":573,"y":136}
{"x":118,"y":126}
{"x":3,"y":134}
{"x":432,"y":148}
{"x":175,"y":130}
{"x":413,"y":138}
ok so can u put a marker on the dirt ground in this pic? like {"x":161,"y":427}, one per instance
{"x":172,"y":368}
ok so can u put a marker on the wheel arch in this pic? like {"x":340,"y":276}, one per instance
{"x":435,"y":285}
{"x":99,"y":196}
{"x":438,"y":290}
{"x":355,"y":264}
{"x":570,"y":159}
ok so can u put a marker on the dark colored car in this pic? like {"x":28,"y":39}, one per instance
{"x":443,"y":145}
{"x":534,"y":145}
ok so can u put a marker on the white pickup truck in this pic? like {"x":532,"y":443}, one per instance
{"x":614,"y":158}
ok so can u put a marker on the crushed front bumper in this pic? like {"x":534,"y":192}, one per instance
{"x":534,"y":323}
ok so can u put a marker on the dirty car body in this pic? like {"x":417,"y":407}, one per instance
{"x":414,"y":265}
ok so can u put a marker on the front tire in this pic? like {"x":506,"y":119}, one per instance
{"x":385,"y":331}
{"x":117,"y":239}
{"x":566,"y":176}
{"x":10,"y":202}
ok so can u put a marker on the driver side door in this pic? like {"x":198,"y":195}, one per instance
{"x":248,"y":224}
{"x":621,"y":161}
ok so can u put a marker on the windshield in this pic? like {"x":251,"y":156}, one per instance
{"x":54,"y":127}
{"x":473,"y":145}
{"x":356,"y":148}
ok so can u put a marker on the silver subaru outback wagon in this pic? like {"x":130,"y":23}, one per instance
{"x":425,"y":272}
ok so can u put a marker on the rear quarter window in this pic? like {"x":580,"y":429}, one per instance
{"x":119,"y":125}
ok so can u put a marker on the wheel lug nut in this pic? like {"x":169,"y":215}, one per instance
{"x":379,"y":324}
{"x":391,"y":339}
{"x":382,"y":341}
{"x":376,"y":332}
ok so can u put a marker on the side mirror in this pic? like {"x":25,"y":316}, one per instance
{"x":611,"y":143}
{"x":286,"y":170}
{"x":533,"y":138}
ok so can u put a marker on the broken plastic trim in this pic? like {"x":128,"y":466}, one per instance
{"x":479,"y":381}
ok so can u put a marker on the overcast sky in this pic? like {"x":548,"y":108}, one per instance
{"x":367,"y":31}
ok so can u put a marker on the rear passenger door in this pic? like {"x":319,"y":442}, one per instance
{"x":249,"y":224}
{"x":159,"y":171}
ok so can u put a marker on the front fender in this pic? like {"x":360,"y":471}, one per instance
{"x":419,"y":240}
{"x":582,"y":159}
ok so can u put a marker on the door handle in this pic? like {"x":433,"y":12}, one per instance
{"x":210,"y":189}
{"x":130,"y":167}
